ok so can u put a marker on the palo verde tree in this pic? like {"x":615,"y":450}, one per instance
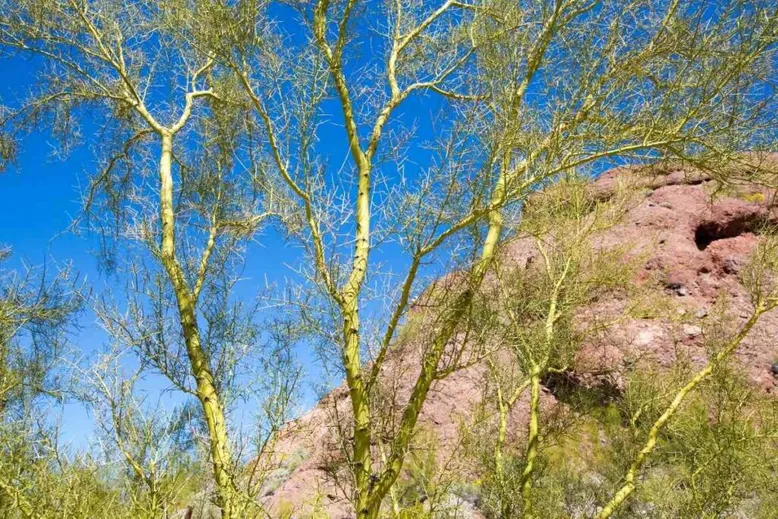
{"x":759,"y":279}
{"x":152,"y":102}
{"x":520,"y":94}
{"x":147,"y":443}
{"x":687,"y":441}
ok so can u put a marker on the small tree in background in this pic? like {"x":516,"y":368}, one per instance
{"x":711,"y":459}
{"x":686,"y":442}
{"x":151,"y":446}
{"x":531,"y":311}
{"x":759,"y":279}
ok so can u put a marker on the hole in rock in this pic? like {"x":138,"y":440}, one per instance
{"x":709,"y":231}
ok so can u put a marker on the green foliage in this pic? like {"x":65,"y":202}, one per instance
{"x":714,"y":460}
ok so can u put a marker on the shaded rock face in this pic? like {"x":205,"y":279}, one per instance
{"x":692,"y":238}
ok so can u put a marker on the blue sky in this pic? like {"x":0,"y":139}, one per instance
{"x":40,"y":200}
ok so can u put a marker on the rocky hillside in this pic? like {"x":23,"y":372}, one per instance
{"x":692,"y":237}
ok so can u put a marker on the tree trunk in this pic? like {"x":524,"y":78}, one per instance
{"x":206,"y":390}
{"x":532,"y":443}
{"x":362,"y":459}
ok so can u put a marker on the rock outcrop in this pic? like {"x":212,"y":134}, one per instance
{"x":692,"y":235}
